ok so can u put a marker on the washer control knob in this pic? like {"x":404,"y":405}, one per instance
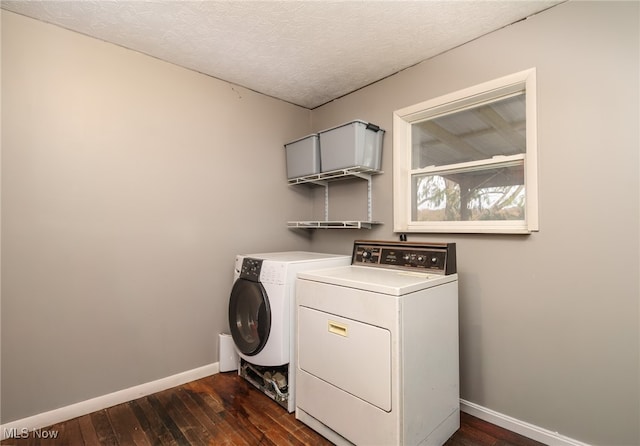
{"x":434,"y":260}
{"x":366,"y":254}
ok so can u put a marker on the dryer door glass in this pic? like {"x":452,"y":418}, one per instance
{"x":249,"y":316}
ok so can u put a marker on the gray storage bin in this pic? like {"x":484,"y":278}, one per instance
{"x":303,"y":157}
{"x":355,"y":144}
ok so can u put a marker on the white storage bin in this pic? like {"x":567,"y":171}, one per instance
{"x":303,"y":157}
{"x":354,"y":144}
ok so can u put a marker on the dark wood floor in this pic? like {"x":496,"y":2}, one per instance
{"x":222,"y":409}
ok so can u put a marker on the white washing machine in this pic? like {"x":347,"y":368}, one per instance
{"x":377,"y":346}
{"x":262,"y":317}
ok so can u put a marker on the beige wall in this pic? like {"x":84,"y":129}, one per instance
{"x":128,"y":186}
{"x":549,"y":322}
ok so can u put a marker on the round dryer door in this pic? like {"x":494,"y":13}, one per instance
{"x":249,"y":316}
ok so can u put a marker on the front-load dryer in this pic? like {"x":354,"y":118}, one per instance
{"x":262,"y":317}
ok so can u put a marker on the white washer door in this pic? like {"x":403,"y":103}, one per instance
{"x":350,"y":355}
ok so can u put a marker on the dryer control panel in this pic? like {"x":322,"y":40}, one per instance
{"x":437,"y":258}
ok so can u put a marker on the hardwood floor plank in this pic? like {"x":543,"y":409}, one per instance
{"x":143,"y":422}
{"x":503,"y":437}
{"x":191,"y":428}
{"x":88,"y":433}
{"x":62,"y":434}
{"x":226,"y":432}
{"x":213,"y":423}
{"x":236,"y":416}
{"x":221,"y":410}
{"x":126,"y":427}
{"x":468,"y":436}
{"x":255,"y":434}
{"x":264,"y":418}
{"x":166,"y":419}
{"x":206,"y":386}
{"x":103,"y":428}
{"x":230,"y":391}
{"x":149,"y":419}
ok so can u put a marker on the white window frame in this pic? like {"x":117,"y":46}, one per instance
{"x":402,"y":172}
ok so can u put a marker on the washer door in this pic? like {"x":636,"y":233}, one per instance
{"x":249,"y":316}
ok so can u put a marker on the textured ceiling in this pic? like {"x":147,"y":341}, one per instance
{"x":304,"y":52}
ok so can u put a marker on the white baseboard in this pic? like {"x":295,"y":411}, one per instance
{"x":520,"y":427}
{"x":102,"y":402}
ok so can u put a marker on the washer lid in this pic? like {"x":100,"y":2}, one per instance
{"x":392,"y":282}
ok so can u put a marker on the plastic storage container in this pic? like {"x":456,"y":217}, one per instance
{"x":354,"y":144}
{"x":303,"y":157}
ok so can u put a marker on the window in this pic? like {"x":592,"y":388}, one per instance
{"x":467,"y":161}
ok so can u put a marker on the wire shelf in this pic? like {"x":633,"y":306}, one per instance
{"x":322,"y":178}
{"x":333,"y":224}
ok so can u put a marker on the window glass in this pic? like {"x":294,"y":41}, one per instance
{"x":477,"y":133}
{"x":494,"y":193}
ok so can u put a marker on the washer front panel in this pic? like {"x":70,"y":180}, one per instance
{"x":275,"y":273}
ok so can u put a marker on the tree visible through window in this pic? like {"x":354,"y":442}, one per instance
{"x":496,"y":194}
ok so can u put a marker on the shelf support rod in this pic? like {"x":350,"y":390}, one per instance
{"x":369,"y":200}
{"x":326,"y":202}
